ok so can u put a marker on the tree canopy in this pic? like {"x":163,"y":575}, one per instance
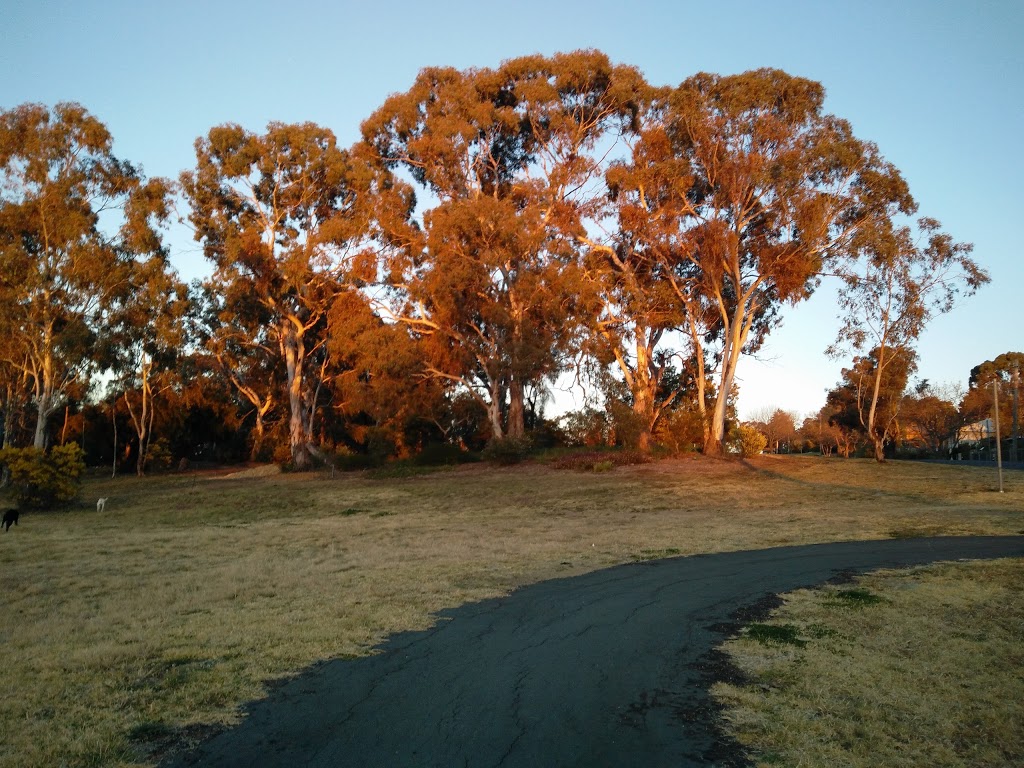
{"x":491,"y":229}
{"x":74,"y":219}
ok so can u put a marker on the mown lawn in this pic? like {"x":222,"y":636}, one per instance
{"x":909,"y":668}
{"x":126,"y":631}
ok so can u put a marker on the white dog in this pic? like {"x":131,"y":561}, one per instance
{"x":101,"y":504}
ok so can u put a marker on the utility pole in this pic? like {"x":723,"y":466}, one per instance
{"x":999,"y":450}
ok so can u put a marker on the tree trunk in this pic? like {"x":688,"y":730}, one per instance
{"x":294,"y":352}
{"x":113,"y":418}
{"x":516,"y":410}
{"x":735,"y":338}
{"x":9,"y":417}
{"x":879,"y":449}
{"x":879,"y":440}
{"x":42,"y":418}
{"x":494,"y":410}
{"x":644,"y":391}
{"x":257,"y":443}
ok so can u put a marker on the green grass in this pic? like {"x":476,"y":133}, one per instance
{"x":192,"y":592}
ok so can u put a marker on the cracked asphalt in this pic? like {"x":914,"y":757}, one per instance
{"x":606,"y":669}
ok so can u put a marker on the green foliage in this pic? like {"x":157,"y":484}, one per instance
{"x":43,"y":480}
{"x":158,"y":457}
{"x":507,"y":450}
{"x":751,"y":441}
{"x":856,"y":597}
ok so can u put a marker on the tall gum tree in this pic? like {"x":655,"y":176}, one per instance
{"x":234,"y":330}
{"x":508,"y":159}
{"x":279,"y":213}
{"x":743,"y":192}
{"x":73,"y":221}
{"x":643,"y":324}
{"x":897,"y":281}
{"x":147,"y":339}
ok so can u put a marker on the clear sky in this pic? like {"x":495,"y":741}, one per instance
{"x":937,"y":85}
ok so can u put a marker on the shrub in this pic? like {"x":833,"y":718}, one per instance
{"x":158,"y":457}
{"x":679,"y":431}
{"x":627,"y":424}
{"x":752,"y":442}
{"x":439,"y":454}
{"x":507,"y":450}
{"x":41,"y":479}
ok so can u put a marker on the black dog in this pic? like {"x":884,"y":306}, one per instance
{"x":10,"y":516}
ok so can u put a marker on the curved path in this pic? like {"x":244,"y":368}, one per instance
{"x":606,"y":669}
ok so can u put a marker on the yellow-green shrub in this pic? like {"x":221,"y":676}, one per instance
{"x":42,"y":479}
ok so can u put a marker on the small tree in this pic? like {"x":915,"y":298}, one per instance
{"x":891,"y":291}
{"x":61,"y":268}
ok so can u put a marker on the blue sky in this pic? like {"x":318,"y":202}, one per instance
{"x":939,"y":86}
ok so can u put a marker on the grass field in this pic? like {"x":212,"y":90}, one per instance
{"x":125,"y":631}
{"x":918,"y":667}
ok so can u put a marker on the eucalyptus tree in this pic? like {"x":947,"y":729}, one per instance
{"x":643,"y":324}
{"x":147,"y":340}
{"x":897,"y":280}
{"x":74,"y":219}
{"x":738,"y":193}
{"x":506,"y":161}
{"x":282,"y":218}
{"x":234,"y":332}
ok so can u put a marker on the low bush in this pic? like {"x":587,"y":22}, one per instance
{"x":599,"y":461}
{"x":440,"y":454}
{"x":752,"y":442}
{"x":507,"y":450}
{"x":41,"y":479}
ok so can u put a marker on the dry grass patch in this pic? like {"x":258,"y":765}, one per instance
{"x":920,"y":667}
{"x":187,"y":596}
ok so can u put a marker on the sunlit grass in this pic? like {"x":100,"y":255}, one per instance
{"x":192,"y":591}
{"x":913,"y":668}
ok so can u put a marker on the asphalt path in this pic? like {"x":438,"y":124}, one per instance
{"x":606,"y":669}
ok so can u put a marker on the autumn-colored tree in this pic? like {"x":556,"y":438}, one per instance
{"x":61,"y":266}
{"x":147,"y":338}
{"x":870,"y":396}
{"x":234,"y":330}
{"x":378,"y":368}
{"x":929,"y":420}
{"x":738,"y":194}
{"x":839,"y":423}
{"x":897,"y":283}
{"x":641,"y":325}
{"x":489,"y":278}
{"x":280,"y":217}
{"x":778,"y":427}
{"x":1006,"y":369}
